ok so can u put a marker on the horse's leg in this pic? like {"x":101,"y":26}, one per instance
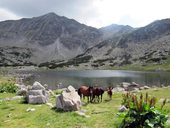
{"x":101,"y":97}
{"x":89,"y":98}
{"x":98,"y":99}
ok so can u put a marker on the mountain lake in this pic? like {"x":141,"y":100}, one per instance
{"x":102,"y":78}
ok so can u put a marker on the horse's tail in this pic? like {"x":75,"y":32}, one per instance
{"x":79,"y":92}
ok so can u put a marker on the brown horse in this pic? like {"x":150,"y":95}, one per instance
{"x":97,"y":93}
{"x":86,"y":91}
{"x":109,"y":92}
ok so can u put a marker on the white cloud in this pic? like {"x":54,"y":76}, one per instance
{"x":139,"y":12}
{"x":7,"y":15}
{"x":97,"y":13}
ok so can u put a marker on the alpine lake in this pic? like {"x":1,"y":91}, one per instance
{"x":103,"y":78}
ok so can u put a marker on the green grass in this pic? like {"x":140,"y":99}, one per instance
{"x":102,"y":115}
{"x":164,"y":65}
{"x":147,"y":67}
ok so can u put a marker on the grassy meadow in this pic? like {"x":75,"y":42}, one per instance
{"x":13,"y":113}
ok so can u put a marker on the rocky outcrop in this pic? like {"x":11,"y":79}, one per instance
{"x":69,"y":100}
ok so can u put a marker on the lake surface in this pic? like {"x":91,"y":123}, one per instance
{"x":96,"y":77}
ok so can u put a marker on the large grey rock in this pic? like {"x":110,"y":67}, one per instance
{"x":68,"y":100}
{"x":37,"y":94}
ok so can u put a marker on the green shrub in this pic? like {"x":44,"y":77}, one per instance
{"x":142,"y":112}
{"x":8,"y":87}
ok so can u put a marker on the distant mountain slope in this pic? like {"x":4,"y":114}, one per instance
{"x":149,"y":44}
{"x":115,"y":30}
{"x":153,"y":31}
{"x":51,"y":37}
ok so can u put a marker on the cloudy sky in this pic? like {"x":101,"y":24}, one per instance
{"x":96,"y":13}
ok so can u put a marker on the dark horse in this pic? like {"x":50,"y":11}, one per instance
{"x":97,"y":93}
{"x":109,"y":92}
{"x":86,"y":91}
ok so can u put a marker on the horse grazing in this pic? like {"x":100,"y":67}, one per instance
{"x":86,"y":91}
{"x":97,"y":93}
{"x":109,"y":92}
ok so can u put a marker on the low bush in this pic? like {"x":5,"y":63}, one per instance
{"x":8,"y":87}
{"x":142,"y":112}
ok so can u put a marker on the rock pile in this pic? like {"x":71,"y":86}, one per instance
{"x":133,"y":87}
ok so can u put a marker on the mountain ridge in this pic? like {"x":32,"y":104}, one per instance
{"x":57,"y":41}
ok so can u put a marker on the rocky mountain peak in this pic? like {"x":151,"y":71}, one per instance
{"x":49,"y":37}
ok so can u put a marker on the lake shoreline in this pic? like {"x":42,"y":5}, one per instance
{"x":132,"y":67}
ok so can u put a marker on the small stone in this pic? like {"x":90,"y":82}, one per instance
{"x":30,"y":109}
{"x":122,"y":109}
{"x":81,"y":113}
{"x":146,"y":87}
{"x":141,"y":88}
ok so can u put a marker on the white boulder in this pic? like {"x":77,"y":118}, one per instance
{"x":122,"y":109}
{"x":69,"y":100}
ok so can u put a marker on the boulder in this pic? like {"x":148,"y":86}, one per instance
{"x":146,"y":87}
{"x":122,"y":109}
{"x":37,"y":94}
{"x":69,"y":100}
